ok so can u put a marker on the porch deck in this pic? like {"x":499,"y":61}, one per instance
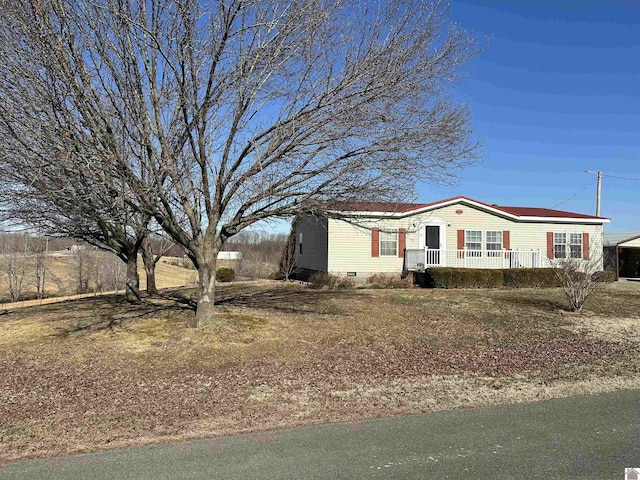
{"x":419,"y":259}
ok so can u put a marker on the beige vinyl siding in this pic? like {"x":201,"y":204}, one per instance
{"x":524,"y":235}
{"x":350,"y":246}
{"x":350,"y":250}
{"x":314,"y":243}
{"x":631,"y":243}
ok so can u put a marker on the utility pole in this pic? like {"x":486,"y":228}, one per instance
{"x":598,"y":190}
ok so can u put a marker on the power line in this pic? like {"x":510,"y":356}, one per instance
{"x":621,"y":178}
{"x":618,"y":177}
{"x":573,"y":196}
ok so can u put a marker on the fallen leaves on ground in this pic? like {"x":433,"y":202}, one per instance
{"x":281,"y":358}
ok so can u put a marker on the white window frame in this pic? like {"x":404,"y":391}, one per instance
{"x":575,"y":245}
{"x":494,"y":252}
{"x":300,"y":243}
{"x":473,"y":252}
{"x":559,"y":240}
{"x":388,"y":234}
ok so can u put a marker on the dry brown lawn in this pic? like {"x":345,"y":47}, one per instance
{"x":99,"y":373}
{"x":168,"y":275}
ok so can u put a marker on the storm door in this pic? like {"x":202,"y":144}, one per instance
{"x":432,"y":235}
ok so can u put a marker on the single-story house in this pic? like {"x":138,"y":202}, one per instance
{"x":391,"y":238}
{"x":622,"y":253}
{"x":631,"y":473}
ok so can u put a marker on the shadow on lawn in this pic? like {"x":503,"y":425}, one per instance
{"x":550,"y":305}
{"x":281,"y":299}
{"x":609,"y":302}
{"x":110,"y":311}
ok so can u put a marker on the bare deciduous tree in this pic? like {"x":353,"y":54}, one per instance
{"x":40,"y":266}
{"x":153,"y":248}
{"x":580,"y":279}
{"x":114,"y":271}
{"x":24,"y":263}
{"x":63,"y":200}
{"x":14,"y":262}
{"x":213,"y":116}
{"x":81,"y":269}
{"x":15,"y":273}
{"x":287,"y":264}
{"x":52,"y":177}
{"x":98,"y":271}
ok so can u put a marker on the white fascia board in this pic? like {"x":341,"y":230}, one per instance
{"x":502,"y":213}
{"x":594,"y":221}
{"x":433,"y":207}
{"x":487,"y":208}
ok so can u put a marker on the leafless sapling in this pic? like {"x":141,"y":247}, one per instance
{"x":580,"y":278}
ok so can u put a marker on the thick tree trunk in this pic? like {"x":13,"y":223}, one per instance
{"x":150,"y":271}
{"x":207,"y":285}
{"x":149,"y":265}
{"x":132,"y":292}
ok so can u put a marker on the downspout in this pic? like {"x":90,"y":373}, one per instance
{"x":617,"y":263}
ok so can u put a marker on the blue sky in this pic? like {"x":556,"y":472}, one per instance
{"x":556,"y":92}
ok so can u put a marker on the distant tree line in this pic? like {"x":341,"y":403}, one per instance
{"x":26,"y":268}
{"x":261,"y":252}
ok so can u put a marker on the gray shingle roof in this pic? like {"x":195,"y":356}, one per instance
{"x":614,"y":238}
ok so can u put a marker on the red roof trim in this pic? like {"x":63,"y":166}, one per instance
{"x":397,"y":207}
{"x":542,"y":212}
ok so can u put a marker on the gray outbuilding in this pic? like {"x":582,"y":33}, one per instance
{"x":622,"y":253}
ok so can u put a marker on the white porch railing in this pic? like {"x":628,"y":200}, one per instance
{"x":419,"y":259}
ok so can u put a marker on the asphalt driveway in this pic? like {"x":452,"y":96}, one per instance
{"x":578,"y":437}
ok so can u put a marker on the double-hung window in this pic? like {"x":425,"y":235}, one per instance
{"x":473,"y":241}
{"x":388,"y":243}
{"x":575,"y":245}
{"x":494,"y":242}
{"x":300,"y":243}
{"x":560,"y":245}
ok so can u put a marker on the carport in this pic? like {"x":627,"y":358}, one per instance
{"x":622,"y":254}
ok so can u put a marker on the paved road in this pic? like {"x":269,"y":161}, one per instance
{"x":579,"y":437}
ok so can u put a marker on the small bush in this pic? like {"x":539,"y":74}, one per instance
{"x":277,"y":276}
{"x":225,"y":274}
{"x":444,"y":277}
{"x":380,"y":280}
{"x":608,"y":276}
{"x":580,"y":280}
{"x":323,"y":279}
{"x":344,"y":283}
{"x":531,"y":278}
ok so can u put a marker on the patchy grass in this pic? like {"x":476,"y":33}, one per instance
{"x":100,"y":373}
